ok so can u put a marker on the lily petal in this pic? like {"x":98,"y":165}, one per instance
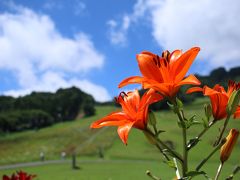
{"x":163,"y":88}
{"x":191,"y":79}
{"x":194,"y":89}
{"x":131,"y":80}
{"x":183,"y":63}
{"x":150,"y":97}
{"x":237,"y":113}
{"x":123,"y":131}
{"x":113,"y":119}
{"x":133,"y":99}
{"x":219,"y":104}
{"x":127,"y":107}
{"x":175,"y":55}
{"x":148,"y":68}
{"x":209,"y":91}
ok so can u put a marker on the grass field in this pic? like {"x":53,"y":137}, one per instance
{"x":121,"y":162}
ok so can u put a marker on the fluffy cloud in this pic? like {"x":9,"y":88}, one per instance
{"x":51,"y":81}
{"x":41,"y":58}
{"x":212,"y":25}
{"x":118,"y":32}
{"x":208,"y":24}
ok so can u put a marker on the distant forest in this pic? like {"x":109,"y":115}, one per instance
{"x":41,"y":109}
{"x":220,"y":76}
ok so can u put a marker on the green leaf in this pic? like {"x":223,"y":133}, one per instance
{"x":193,"y":142}
{"x":171,"y":106}
{"x":192,"y":119}
{"x":160,"y":131}
{"x":170,"y":163}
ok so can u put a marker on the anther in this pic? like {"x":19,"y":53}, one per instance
{"x":166,"y":55}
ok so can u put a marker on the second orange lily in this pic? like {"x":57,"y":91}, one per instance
{"x":219,"y":98}
{"x":166,"y":73}
{"x":134,"y":113}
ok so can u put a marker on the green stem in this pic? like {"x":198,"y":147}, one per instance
{"x":161,"y":150}
{"x":210,"y":155}
{"x":196,"y":140}
{"x":185,"y":152}
{"x":184,"y":133}
{"x":222,"y":131}
{"x":218,"y":171}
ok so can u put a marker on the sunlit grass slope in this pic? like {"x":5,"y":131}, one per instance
{"x":67,"y":137}
{"x":64,"y":137}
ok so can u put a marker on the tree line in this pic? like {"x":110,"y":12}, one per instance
{"x":41,"y":109}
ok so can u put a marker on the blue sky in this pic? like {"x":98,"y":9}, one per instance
{"x":90,"y":44}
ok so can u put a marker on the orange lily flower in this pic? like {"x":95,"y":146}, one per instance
{"x":134,"y":113}
{"x":164,"y":74}
{"x":219,"y":98}
{"x":227,"y":148}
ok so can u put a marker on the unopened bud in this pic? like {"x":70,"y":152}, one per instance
{"x":150,"y":138}
{"x":152,"y":118}
{"x":179,"y":103}
{"x":233,"y":102}
{"x":227,"y":147}
{"x":208,"y":110}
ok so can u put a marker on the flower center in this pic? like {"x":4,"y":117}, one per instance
{"x":163,"y":60}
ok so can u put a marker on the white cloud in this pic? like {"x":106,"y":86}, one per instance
{"x":118,"y":30}
{"x":41,"y":58}
{"x":117,"y":33}
{"x":212,"y":25}
{"x":51,"y":81}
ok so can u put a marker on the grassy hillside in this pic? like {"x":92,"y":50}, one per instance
{"x":67,"y":136}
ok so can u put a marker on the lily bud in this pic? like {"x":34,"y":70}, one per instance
{"x":150,"y":138}
{"x":233,"y":102}
{"x":208,"y":110}
{"x":152,"y":119}
{"x":227,"y":147}
{"x":179,"y":103}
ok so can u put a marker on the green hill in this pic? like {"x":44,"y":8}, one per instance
{"x":134,"y":158}
{"x":66,"y":136}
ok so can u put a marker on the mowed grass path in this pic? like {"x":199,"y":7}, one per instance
{"x":73,"y":134}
